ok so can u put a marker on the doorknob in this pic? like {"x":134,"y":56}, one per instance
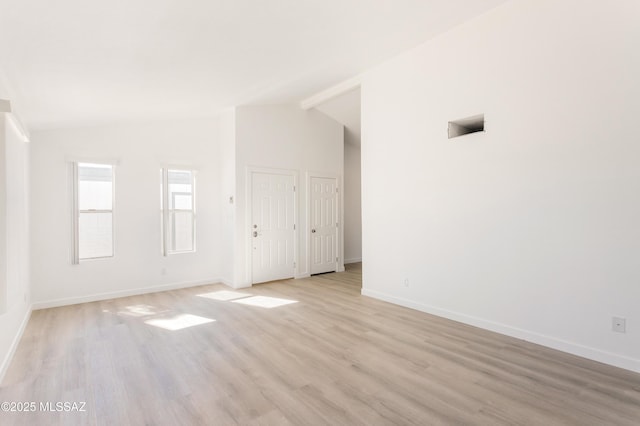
{"x":313,"y":231}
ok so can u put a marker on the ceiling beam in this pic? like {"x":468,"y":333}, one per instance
{"x":21,"y":131}
{"x":331,"y":92}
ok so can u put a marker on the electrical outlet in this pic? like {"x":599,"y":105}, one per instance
{"x":406,"y":282}
{"x":163,"y":271}
{"x":619,"y":324}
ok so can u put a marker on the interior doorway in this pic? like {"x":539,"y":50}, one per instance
{"x":324,"y":226}
{"x":345,"y":109}
{"x":272,"y":226}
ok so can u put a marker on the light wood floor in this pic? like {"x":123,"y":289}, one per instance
{"x":333,"y":357}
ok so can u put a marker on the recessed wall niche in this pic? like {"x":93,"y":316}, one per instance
{"x":465,"y":126}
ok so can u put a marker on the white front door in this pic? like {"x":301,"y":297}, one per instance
{"x":324,"y":225}
{"x":272,"y":227}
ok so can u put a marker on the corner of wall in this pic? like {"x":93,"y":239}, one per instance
{"x":11,"y":350}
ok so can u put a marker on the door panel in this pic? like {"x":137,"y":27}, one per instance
{"x":272,"y":227}
{"x":324,"y":225}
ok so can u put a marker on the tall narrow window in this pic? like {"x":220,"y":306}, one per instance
{"x":178,"y":211}
{"x":93,"y":207}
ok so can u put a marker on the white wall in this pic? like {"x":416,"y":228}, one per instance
{"x":138,"y":265}
{"x":15,"y":295}
{"x":3,"y":214}
{"x":530,"y":229}
{"x":228,"y":195}
{"x":352,"y":204}
{"x":283,"y":137}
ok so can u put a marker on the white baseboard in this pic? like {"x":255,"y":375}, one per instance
{"x":354,"y":260}
{"x":14,"y":344}
{"x":594,"y":354}
{"x":122,"y":293}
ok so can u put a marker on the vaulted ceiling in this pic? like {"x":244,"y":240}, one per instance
{"x":79,"y":62}
{"x":345,"y":109}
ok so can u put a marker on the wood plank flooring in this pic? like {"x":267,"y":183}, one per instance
{"x":332,"y":358}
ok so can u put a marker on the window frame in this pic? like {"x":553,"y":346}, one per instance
{"x":167,"y":213}
{"x":76,"y":260}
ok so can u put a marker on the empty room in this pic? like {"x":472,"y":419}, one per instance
{"x":305,"y":212}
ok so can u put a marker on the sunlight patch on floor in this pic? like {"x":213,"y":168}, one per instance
{"x":265,"y":301}
{"x":179,"y":322}
{"x":224,"y":295}
{"x":140,"y":311}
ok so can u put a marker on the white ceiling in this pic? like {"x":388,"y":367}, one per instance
{"x":78,"y":62}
